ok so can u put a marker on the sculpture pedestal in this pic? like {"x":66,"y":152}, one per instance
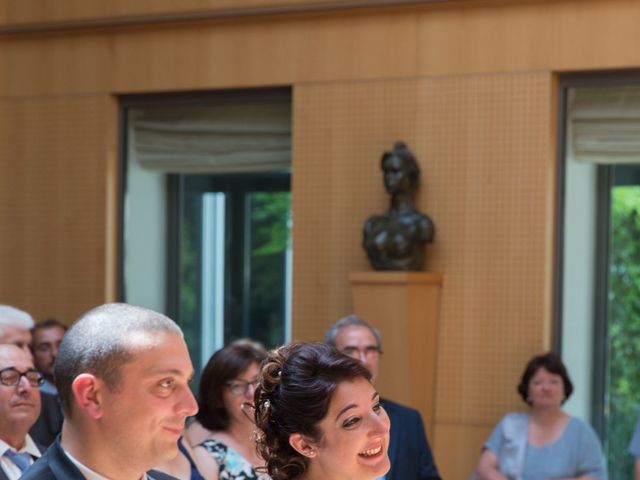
{"x":404,"y":307}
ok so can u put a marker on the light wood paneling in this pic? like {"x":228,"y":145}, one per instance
{"x":404,"y":307}
{"x":224,"y":54}
{"x":438,"y":39}
{"x":52,"y":204}
{"x":557,"y":35}
{"x":68,"y":65}
{"x":484,"y":146}
{"x":15,"y":12}
{"x":457,"y":448}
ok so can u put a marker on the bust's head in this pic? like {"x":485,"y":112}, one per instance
{"x":401,"y":172}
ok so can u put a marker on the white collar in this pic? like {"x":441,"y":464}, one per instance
{"x":87,"y":472}
{"x":29,"y":447}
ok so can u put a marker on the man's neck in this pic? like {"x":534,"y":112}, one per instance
{"x":16,"y":441}
{"x":95,"y":455}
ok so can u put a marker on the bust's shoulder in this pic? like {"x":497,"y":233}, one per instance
{"x":376,"y":219}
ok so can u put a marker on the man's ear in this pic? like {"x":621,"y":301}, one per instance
{"x":86,"y":389}
{"x":302,"y":445}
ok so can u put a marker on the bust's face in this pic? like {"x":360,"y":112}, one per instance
{"x":396,"y":175}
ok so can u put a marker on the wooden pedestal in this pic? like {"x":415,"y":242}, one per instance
{"x":404,"y":307}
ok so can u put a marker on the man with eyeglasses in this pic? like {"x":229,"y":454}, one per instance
{"x":409,"y":451}
{"x":15,"y":326}
{"x":19,"y":409}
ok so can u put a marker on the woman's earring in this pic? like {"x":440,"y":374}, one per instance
{"x":311,"y":454}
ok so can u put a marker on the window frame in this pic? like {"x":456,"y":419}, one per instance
{"x":565,"y":83}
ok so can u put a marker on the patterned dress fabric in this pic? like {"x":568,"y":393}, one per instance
{"x":233,"y":466}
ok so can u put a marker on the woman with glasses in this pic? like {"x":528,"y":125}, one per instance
{"x":223,"y":433}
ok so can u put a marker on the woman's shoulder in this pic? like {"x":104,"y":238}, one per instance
{"x":195,"y":433}
{"x":518,"y":418}
{"x":579,"y":427}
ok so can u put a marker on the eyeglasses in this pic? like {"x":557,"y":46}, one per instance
{"x":366,"y":352}
{"x":241,"y":387}
{"x":10,"y":377}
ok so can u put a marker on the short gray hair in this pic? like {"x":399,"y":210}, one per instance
{"x":14,"y":317}
{"x":349,"y":321}
{"x":97,"y":344}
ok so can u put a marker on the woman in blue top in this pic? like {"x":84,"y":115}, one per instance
{"x":544,"y":443}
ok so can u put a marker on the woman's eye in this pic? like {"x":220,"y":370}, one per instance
{"x":377,"y":407}
{"x":351,"y":422}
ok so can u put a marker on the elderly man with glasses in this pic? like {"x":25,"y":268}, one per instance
{"x":409,"y":452}
{"x":19,"y":409}
{"x":15,"y":325}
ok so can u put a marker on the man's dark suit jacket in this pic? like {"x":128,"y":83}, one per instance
{"x":409,"y":452}
{"x":55,"y":465}
{"x":49,"y":423}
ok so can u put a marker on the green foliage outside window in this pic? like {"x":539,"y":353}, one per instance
{"x":624,"y":329}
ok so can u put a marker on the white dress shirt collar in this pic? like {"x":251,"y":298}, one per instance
{"x":87,"y":472}
{"x":10,"y":468}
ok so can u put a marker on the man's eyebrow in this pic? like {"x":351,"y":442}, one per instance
{"x":169,"y":371}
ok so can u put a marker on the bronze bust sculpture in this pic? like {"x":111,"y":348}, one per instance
{"x":395,"y":240}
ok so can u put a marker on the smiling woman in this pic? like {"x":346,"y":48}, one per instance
{"x":319,"y":416}
{"x":546,"y":442}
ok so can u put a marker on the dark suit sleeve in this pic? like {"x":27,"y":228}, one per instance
{"x":427,"y":466}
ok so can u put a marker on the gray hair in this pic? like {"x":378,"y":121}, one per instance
{"x":14,"y":317}
{"x":97,"y":344}
{"x":349,"y":321}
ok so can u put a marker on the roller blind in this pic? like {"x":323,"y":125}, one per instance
{"x":604,"y":124}
{"x":213,"y":138}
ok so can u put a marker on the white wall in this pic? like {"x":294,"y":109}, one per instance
{"x":145,"y":218}
{"x":579,"y":280}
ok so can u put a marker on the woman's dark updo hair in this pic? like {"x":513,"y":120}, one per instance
{"x":223,"y":366}
{"x":297,"y":383}
{"x":552,"y":364}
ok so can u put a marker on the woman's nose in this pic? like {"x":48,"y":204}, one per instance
{"x":380,"y":424}
{"x":251,"y":389}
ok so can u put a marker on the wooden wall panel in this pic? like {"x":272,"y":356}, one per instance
{"x":53,"y":212}
{"x":218,"y":55}
{"x":424,"y":40}
{"x":16,"y":12}
{"x":69,"y":64}
{"x":484,"y":146}
{"x":536,"y":35}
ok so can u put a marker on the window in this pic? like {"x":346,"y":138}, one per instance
{"x":233,"y":258}
{"x":206,"y":214}
{"x":600,"y":259}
